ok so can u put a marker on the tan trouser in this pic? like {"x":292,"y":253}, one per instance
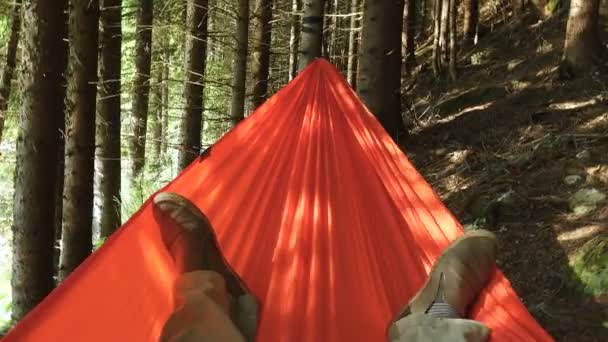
{"x":202,"y":314}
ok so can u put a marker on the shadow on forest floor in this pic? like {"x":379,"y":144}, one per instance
{"x":508,"y":147}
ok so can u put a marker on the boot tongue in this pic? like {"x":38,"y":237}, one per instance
{"x":440,"y":308}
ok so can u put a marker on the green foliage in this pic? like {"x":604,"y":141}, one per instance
{"x":590,"y":264}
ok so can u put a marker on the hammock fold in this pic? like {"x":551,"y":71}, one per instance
{"x":314,"y":206}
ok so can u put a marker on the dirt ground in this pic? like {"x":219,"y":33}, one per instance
{"x":507,"y":147}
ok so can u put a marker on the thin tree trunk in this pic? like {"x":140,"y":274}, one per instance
{"x":379,"y":76}
{"x":409,"y":32}
{"x":294,"y":38}
{"x":444,"y":38}
{"x":312,"y":32}
{"x":453,"y":47}
{"x":261,"y":52}
{"x":583,"y":49}
{"x":108,"y":125}
{"x":165,"y":102}
{"x":37,"y":153}
{"x":237,"y":110}
{"x":141,"y":85}
{"x":11,"y":60}
{"x":353,"y":44}
{"x":77,"y":232}
{"x":471,"y":20}
{"x":195,"y":62}
{"x":437,"y":65}
{"x":157,"y":111}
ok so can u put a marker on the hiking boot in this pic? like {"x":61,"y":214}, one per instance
{"x":458,"y":276}
{"x":191,"y":240}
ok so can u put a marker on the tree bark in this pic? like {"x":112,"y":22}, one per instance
{"x":312,"y":32}
{"x":409,"y":33}
{"x":294,"y":38}
{"x":11,"y":60}
{"x":157,"y":110}
{"x":353,"y":45}
{"x":237,"y":110}
{"x":583,"y":49}
{"x":108,"y":125}
{"x":444,"y":32}
{"x":195,"y":63}
{"x":379,"y":76}
{"x":77,"y":232}
{"x":471,"y":20}
{"x":165,"y":102}
{"x":141,"y":85}
{"x":436,"y":58}
{"x":261,"y":52}
{"x":453,"y":47}
{"x":37,"y":153}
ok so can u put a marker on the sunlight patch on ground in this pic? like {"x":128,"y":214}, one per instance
{"x":569,"y":105}
{"x":465,"y":111}
{"x":581,"y":233}
{"x":596,"y":122}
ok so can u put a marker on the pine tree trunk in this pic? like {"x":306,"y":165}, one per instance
{"x":141,"y":85}
{"x":471,"y":20}
{"x":165,"y":103}
{"x":261,"y":52}
{"x":436,"y":58}
{"x":195,"y":62}
{"x":409,"y":32}
{"x":583,"y":49}
{"x":312,"y":32}
{"x":294,"y":38}
{"x":108,"y":125}
{"x":43,"y":61}
{"x":444,"y":37}
{"x":237,"y":110}
{"x":11,"y":60}
{"x":453,"y":47}
{"x":353,"y":45}
{"x":157,"y":110}
{"x":77,"y":235}
{"x":379,"y":76}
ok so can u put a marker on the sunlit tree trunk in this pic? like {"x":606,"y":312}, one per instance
{"x":195,"y":63}
{"x":108,"y":125}
{"x":237,"y":110}
{"x":379,"y":76}
{"x":353,"y":44}
{"x":312,"y":32}
{"x":141,"y":85}
{"x":261,"y":52}
{"x":294,"y":38}
{"x":11,"y":60}
{"x":583,"y":49}
{"x":436,"y":58}
{"x":37,"y":152}
{"x":453,"y":48}
{"x":165,"y":102}
{"x":409,"y":33}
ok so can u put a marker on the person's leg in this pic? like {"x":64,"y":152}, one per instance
{"x":211,"y":302}
{"x":438,"y":311}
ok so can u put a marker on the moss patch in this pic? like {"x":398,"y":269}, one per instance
{"x":590,"y":264}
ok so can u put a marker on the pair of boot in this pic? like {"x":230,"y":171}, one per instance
{"x":209,"y":289}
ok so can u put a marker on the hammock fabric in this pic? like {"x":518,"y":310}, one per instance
{"x":315,"y":207}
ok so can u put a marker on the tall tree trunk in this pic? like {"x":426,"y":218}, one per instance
{"x":453,"y":47}
{"x":11,"y":60}
{"x":312,"y":32}
{"x":261,"y":52}
{"x":195,"y":62}
{"x":444,"y":32}
{"x":436,"y":58}
{"x":379,"y":76}
{"x":165,"y":103}
{"x":471,"y":20}
{"x":108,"y":125}
{"x":583,"y":49}
{"x":157,"y":110}
{"x":237,"y":110}
{"x":353,"y":44}
{"x":77,"y":235}
{"x":409,"y":32}
{"x":141,"y":85}
{"x":37,"y":153}
{"x":294,"y":38}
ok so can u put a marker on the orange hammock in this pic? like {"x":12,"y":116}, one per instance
{"x":315,"y":207}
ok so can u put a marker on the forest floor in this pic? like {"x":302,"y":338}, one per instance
{"x":513,"y":149}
